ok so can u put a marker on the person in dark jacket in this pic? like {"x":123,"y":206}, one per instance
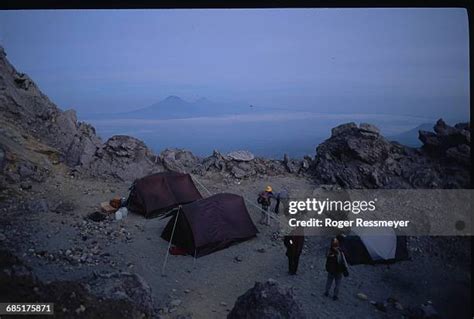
{"x":294,"y":243}
{"x":282,"y":199}
{"x":264,"y":199}
{"x":335,"y":266}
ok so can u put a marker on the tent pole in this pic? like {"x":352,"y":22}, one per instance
{"x":171,"y":240}
{"x":194,"y":259}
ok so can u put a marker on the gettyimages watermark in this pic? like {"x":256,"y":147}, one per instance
{"x":429,"y":212}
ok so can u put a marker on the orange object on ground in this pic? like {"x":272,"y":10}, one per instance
{"x":107,"y":208}
{"x":115,"y":202}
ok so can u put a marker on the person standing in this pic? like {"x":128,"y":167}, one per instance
{"x":264,"y":199}
{"x":294,"y":243}
{"x":282,"y":200}
{"x":336,"y":266}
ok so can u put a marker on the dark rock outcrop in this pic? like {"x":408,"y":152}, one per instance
{"x":37,"y":134}
{"x":22,"y":103}
{"x":123,"y":286}
{"x":296,"y":166}
{"x":242,"y":156}
{"x":359,"y":157}
{"x":178,"y":160}
{"x":237,"y":168}
{"x":267,"y":301}
{"x":452,"y":142}
{"x":122,"y":157}
{"x":108,"y":295}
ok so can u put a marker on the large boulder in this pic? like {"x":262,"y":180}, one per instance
{"x":115,"y":295}
{"x":241,"y":169}
{"x":359,"y":157}
{"x":240,"y":156}
{"x":343,"y":129}
{"x":240,"y":165}
{"x":178,"y":160}
{"x":366,"y":128}
{"x":125,"y":158}
{"x":83,"y":147}
{"x":446,"y":138}
{"x":267,"y":301}
{"x":123,"y":286}
{"x":214,"y":163}
{"x":356,"y":157}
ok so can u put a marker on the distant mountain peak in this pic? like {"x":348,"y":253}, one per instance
{"x":173,"y":98}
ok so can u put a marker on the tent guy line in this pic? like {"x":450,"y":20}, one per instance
{"x":210,"y":194}
{"x":248,"y":201}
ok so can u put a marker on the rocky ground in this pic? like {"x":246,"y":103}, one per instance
{"x":59,"y":242}
{"x":55,"y":172}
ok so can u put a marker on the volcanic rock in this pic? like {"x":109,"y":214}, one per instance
{"x":359,"y":157}
{"x":178,"y":160}
{"x":125,"y":158}
{"x":240,"y":156}
{"x":266,"y":300}
{"x":293,"y":166}
{"x":123,"y":286}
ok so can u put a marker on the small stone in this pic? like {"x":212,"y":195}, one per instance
{"x":187,"y":291}
{"x":272,"y":281}
{"x":362,"y":296}
{"x":392,"y":300}
{"x":261,"y":250}
{"x":80,"y":309}
{"x":224,"y":304}
{"x":238,"y":258}
{"x":398,"y":306}
{"x":25,"y":186}
{"x":175,"y":303}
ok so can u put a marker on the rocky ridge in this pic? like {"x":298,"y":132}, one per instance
{"x":36,"y":135}
{"x":359,"y":157}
